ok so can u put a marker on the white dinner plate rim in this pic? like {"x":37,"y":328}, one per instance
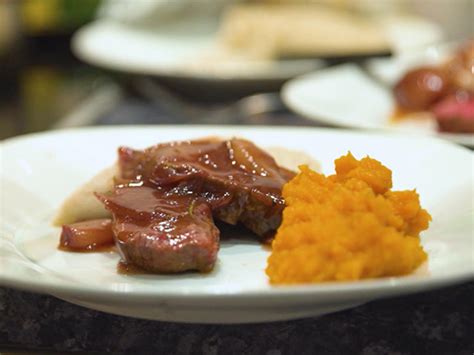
{"x":367,"y":288}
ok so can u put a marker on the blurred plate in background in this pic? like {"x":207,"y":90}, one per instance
{"x":180,"y":50}
{"x":173,"y":52}
{"x":347,"y":96}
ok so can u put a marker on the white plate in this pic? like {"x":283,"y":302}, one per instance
{"x":39,"y":171}
{"x":346,"y":96}
{"x":174,"y":49}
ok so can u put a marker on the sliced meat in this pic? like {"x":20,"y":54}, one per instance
{"x":161,"y":230}
{"x":455,"y":114}
{"x":87,"y":236}
{"x":239,"y":181}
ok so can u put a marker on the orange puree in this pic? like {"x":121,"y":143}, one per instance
{"x":347,"y":226}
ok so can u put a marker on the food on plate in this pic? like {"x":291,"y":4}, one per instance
{"x":160,"y":230}
{"x":82,"y":204}
{"x":162,"y":201}
{"x":420,"y":88}
{"x":239,"y":181}
{"x":87,"y":236}
{"x":347,"y":226}
{"x":275,"y":30}
{"x":446,"y":90}
{"x":459,"y":67}
{"x":455,"y":113}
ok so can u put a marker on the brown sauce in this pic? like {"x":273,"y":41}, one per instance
{"x":110,"y":248}
{"x":227,"y":164}
{"x":124,"y":268}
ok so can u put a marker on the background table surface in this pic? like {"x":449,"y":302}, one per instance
{"x":437,"y":322}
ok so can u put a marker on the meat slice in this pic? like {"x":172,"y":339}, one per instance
{"x":455,"y":114}
{"x":86,"y":236}
{"x":162,"y":231}
{"x":239,"y":181}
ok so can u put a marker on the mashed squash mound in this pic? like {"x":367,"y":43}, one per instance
{"x":347,"y":226}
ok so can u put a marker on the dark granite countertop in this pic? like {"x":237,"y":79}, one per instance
{"x":436,"y":322}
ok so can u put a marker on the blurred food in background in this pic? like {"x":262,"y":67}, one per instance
{"x":246,"y":40}
{"x":426,"y":91}
{"x":446,"y":90}
{"x":238,"y":48}
{"x":202,"y":50}
{"x":280,"y":29}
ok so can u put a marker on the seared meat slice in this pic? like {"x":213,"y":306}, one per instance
{"x":87,"y":236}
{"x":162,"y":231}
{"x":239,"y":181}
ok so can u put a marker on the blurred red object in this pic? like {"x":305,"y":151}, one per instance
{"x":455,"y":113}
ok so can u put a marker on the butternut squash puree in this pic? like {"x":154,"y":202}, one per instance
{"x":347,"y":226}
